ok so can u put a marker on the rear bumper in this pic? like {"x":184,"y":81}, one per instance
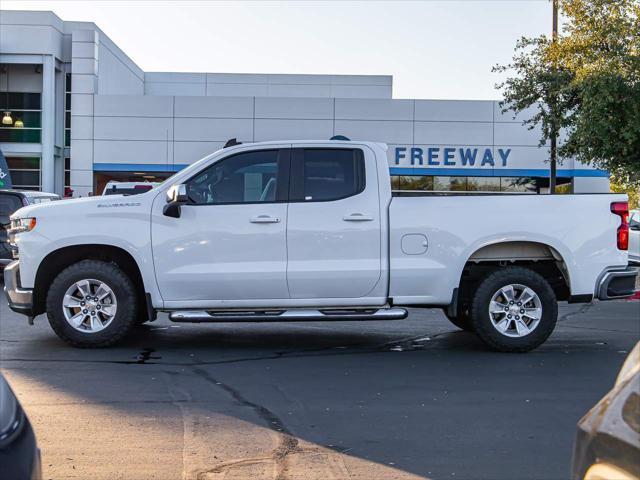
{"x":618,"y":283}
{"x":20,"y":299}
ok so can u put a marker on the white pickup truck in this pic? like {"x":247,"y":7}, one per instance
{"x":310,"y":230}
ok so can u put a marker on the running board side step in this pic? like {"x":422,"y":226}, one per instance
{"x":202,"y":316}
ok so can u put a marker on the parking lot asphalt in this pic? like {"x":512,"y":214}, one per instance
{"x":415,"y":398}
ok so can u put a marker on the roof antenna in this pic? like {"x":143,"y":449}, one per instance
{"x":340,"y":137}
{"x":231,"y":143}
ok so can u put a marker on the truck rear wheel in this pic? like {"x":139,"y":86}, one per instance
{"x":514,"y":309}
{"x":91,"y":304}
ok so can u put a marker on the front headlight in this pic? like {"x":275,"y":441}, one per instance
{"x":20,"y":225}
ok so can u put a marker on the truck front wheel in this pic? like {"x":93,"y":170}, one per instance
{"x":92,"y":304}
{"x":514,"y":309}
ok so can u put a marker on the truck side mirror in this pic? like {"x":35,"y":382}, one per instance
{"x":176,"y":196}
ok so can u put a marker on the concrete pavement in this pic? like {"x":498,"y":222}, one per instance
{"x":408,"y":399}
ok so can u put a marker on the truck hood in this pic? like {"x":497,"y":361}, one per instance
{"x":87,"y":205}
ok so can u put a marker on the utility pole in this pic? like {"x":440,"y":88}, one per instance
{"x":554,"y":147}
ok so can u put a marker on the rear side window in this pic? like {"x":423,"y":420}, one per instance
{"x":325,"y":174}
{"x":8,"y":205}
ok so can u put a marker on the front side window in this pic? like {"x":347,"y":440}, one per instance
{"x":329,"y":174}
{"x":250,"y":177}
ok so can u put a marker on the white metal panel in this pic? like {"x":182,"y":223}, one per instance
{"x":510,"y":116}
{"x":30,"y":39}
{"x":131,"y":128}
{"x":273,"y":129}
{"x":362,"y":80}
{"x":84,"y":50}
{"x":82,"y":104}
{"x":516,"y":134}
{"x":235,"y":78}
{"x":82,"y":128}
{"x":373,"y":109}
{"x":175,"y":77}
{"x":527,"y":157}
{"x":454,"y":110}
{"x":84,"y":83}
{"x":189,"y":152}
{"x":279,"y":90}
{"x":237,"y":90}
{"x":171,"y":88}
{"x":376,"y":130}
{"x":82,"y":153}
{"x":132,"y":105}
{"x":288,"y":108}
{"x":214,"y":107}
{"x":454,"y":133}
{"x":84,"y":65}
{"x":121,"y":151}
{"x":213,"y":129}
{"x":361,"y":91}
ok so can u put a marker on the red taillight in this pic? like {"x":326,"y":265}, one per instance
{"x":622,"y":210}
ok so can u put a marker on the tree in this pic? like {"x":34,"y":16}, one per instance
{"x":595,"y":95}
{"x":541,"y":85}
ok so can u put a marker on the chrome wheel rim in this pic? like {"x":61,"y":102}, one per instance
{"x":515,"y":310}
{"x":89,"y":305}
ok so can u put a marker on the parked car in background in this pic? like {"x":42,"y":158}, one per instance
{"x":127,"y":188}
{"x":19,"y":453}
{"x":607,"y":445}
{"x":634,"y":236}
{"x":311,"y":230}
{"x":10,"y":201}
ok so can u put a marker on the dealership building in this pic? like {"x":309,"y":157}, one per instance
{"x":78,"y":112}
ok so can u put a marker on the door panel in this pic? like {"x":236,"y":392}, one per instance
{"x":333,"y":232}
{"x":230,"y":241}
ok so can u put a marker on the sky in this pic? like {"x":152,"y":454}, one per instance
{"x":433,"y":48}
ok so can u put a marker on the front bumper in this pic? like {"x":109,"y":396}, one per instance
{"x":20,"y":299}
{"x":619,"y":283}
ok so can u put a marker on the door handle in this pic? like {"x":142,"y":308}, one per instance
{"x":357,"y":217}
{"x":264,"y":219}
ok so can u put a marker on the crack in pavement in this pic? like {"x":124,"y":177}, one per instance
{"x":315,"y":352}
{"x":583,"y":309}
{"x":287,"y":443}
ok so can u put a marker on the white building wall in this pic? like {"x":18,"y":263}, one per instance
{"x":267,"y":85}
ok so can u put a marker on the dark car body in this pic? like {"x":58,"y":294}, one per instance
{"x":10,"y":201}
{"x":607,"y":445}
{"x":19,"y":454}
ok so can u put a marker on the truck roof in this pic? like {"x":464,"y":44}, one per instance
{"x":323,"y":141}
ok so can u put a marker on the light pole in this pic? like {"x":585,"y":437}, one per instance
{"x":553,"y":170}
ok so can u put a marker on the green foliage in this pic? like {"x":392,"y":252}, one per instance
{"x":539,"y":84}
{"x":587,"y":82}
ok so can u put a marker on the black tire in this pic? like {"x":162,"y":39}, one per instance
{"x":483,"y":324}
{"x":462,"y":320}
{"x":125,"y":293}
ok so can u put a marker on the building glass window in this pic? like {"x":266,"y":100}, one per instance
{"x":518,"y":184}
{"x":24,"y":112}
{"x":67,"y":110}
{"x":67,"y":172}
{"x":483,"y":184}
{"x":25,"y":172}
{"x":468,"y":184}
{"x":450,"y":184}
